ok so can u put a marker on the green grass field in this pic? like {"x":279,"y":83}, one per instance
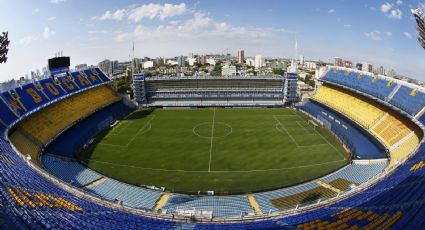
{"x":225,"y":150}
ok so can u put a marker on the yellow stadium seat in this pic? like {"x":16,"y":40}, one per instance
{"x":391,"y":128}
{"x":356,"y":108}
{"x":407,"y":147}
{"x":48,"y":122}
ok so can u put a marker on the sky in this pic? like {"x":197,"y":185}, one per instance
{"x":89,"y":31}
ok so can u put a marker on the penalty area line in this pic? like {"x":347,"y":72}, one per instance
{"x":326,"y":140}
{"x":284,"y":130}
{"x":140,"y":130}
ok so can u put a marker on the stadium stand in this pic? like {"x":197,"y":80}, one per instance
{"x":25,"y":144}
{"x":293,"y":196}
{"x":73,"y":140}
{"x":47,"y":123}
{"x":404,"y":149}
{"x":398,"y":134}
{"x":360,"y":144}
{"x":207,"y":91}
{"x":374,"y":85}
{"x":421,"y":119}
{"x":359,"y":109}
{"x":131,"y":196}
{"x":402,"y":95}
{"x":408,"y":99}
{"x":33,"y":202}
{"x":362,"y":195}
{"x":33,"y":96}
{"x":70,"y":171}
{"x":219,"y":206}
{"x":7,"y":118}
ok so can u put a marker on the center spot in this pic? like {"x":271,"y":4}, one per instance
{"x":204,"y":130}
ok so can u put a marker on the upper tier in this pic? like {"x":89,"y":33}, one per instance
{"x":406,"y":97}
{"x":22,"y":101}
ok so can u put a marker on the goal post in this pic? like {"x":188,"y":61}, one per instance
{"x":313,"y":124}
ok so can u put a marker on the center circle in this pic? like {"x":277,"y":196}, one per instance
{"x":212,"y":130}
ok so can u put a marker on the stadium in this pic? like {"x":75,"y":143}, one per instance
{"x":212,"y":152}
{"x":67,"y":162}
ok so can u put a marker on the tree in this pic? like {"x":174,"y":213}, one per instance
{"x":4,"y":43}
{"x":278,"y":71}
{"x":217,"y":69}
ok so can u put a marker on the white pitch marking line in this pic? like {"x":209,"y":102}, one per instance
{"x":326,"y":140}
{"x":125,"y":126}
{"x":212,"y":137}
{"x":236,"y":171}
{"x":286,"y":131}
{"x":329,"y":143}
{"x":141,"y":129}
{"x":298,"y":122}
{"x":112,"y":145}
{"x":117,"y":130}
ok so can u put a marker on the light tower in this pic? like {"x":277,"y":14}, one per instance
{"x":420,"y":26}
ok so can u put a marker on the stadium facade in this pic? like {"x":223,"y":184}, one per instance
{"x":225,"y":91}
{"x":45,"y":123}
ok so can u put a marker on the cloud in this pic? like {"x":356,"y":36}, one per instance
{"x":347,"y":26}
{"x":386,"y":7}
{"x":315,"y":9}
{"x":395,"y":14}
{"x":97,"y":31}
{"x":199,"y":20}
{"x":51,"y":18}
{"x":389,"y":34}
{"x":407,"y":35}
{"x":374,"y":35}
{"x":200,"y":24}
{"x":174,"y":22}
{"x":331,"y":11}
{"x":108,"y":15}
{"x":152,"y":10}
{"x":170,"y":10}
{"x":387,"y":10}
{"x":399,"y":2}
{"x":35,"y":11}
{"x":27,"y":40}
{"x":47,"y":33}
{"x":57,"y":1}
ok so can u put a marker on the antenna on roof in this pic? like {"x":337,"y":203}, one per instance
{"x":296,"y":47}
{"x":132,"y":62}
{"x":294,"y":62}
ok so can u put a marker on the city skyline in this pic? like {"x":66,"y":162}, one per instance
{"x":90,"y":32}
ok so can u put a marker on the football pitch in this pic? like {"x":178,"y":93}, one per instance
{"x":223,"y":150}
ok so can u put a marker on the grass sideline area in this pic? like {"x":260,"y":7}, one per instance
{"x":224,"y":150}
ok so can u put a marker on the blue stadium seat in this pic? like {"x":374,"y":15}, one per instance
{"x":29,"y":200}
{"x":367,"y":83}
{"x":31,"y":96}
{"x":7,"y":117}
{"x":409,"y":100}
